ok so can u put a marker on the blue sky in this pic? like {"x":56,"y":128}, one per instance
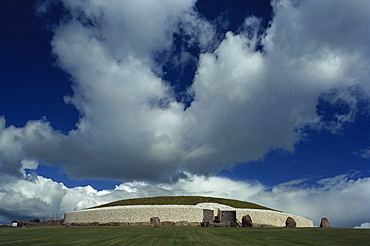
{"x":247,"y":100}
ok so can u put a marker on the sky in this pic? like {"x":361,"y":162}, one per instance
{"x":265,"y":102}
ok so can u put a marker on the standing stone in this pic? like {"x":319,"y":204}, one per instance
{"x":324,"y":223}
{"x":290,"y":222}
{"x":155,"y":221}
{"x":247,"y":221}
{"x":208,"y":216}
{"x":229,"y":218}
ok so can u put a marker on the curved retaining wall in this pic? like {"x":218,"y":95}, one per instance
{"x":190,"y":213}
{"x":269,"y":217}
{"x":137,"y":213}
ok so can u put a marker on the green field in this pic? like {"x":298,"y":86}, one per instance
{"x":173,"y":235}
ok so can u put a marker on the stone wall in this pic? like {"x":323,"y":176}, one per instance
{"x":190,"y":213}
{"x":269,"y":217}
{"x":137,"y":213}
{"x":208,"y":215}
{"x":228,"y":216}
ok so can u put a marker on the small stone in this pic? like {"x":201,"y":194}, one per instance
{"x":324,"y":223}
{"x":155,"y":221}
{"x":182,"y":223}
{"x":290,"y":222}
{"x":168,"y":223}
{"x":194,"y":224}
{"x":135,"y":224}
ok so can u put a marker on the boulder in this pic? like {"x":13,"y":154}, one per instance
{"x":290,"y":222}
{"x":182,"y":223}
{"x":155,"y":221}
{"x":247,"y":221}
{"x":114,"y":224}
{"x":324,"y":223}
{"x":168,"y":223}
{"x":135,"y":224}
{"x":194,"y":224}
{"x":103,"y":224}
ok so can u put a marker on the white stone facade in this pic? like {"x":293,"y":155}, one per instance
{"x":190,"y":213}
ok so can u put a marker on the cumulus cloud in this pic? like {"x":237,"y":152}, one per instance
{"x":342,"y":199}
{"x":21,"y":148}
{"x":38,"y":197}
{"x":247,"y":100}
{"x":365,"y":225}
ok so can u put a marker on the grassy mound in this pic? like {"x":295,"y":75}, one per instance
{"x":183,"y":200}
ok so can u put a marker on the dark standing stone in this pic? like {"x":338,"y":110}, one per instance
{"x":208,"y":216}
{"x":247,"y":221}
{"x":229,"y":218}
{"x":155,"y":221}
{"x":217,"y":219}
{"x":324,"y":223}
{"x":290,"y":222}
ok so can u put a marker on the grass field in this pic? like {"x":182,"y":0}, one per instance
{"x":183,"y":200}
{"x":173,"y":235}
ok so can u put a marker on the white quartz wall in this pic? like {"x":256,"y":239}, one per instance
{"x":270,"y":217}
{"x":138,"y":213}
{"x":190,"y":213}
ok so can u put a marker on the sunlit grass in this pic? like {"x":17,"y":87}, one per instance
{"x":173,"y":235}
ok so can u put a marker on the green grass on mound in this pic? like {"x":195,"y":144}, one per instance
{"x":183,"y":200}
{"x":175,"y":235}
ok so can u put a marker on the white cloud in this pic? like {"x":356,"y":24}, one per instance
{"x":364,"y":153}
{"x":342,"y":199}
{"x":365,"y":225}
{"x":246,"y":103}
{"x":29,"y":164}
{"x":36,"y":196}
{"x":22,"y":148}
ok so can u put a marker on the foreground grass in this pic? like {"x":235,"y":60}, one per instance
{"x":145,"y":235}
{"x":183,"y":200}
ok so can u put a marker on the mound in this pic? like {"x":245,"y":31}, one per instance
{"x":189,"y":210}
{"x":183,"y":200}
